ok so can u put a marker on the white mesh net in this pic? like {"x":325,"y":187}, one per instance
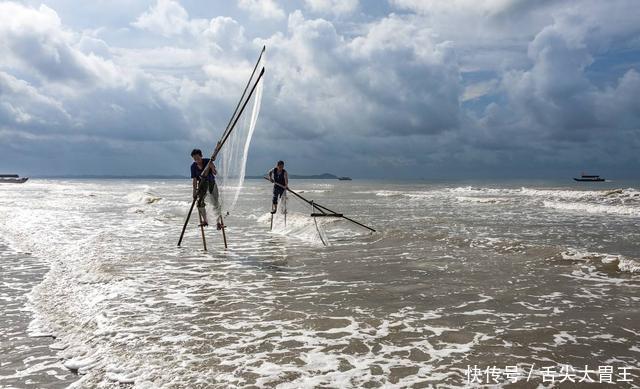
{"x":293,"y":218}
{"x":232,"y":161}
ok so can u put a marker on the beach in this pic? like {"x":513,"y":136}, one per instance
{"x":28,"y":360}
{"x":459,"y":276}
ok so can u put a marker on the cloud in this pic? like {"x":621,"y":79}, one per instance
{"x":49,"y":85}
{"x":23,"y":106}
{"x":430,"y":88}
{"x":167,"y":18}
{"x":480,"y":89}
{"x":34,"y":39}
{"x":335,"y":7}
{"x":379,"y":83}
{"x":262,"y":9}
{"x":225,"y":34}
{"x":556,"y":97}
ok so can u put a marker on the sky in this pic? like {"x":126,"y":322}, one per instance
{"x":370,"y":89}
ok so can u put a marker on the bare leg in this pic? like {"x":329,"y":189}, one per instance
{"x":215,"y":201}
{"x":202,"y":210}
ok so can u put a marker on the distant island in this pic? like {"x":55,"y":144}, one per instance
{"x":324,"y":176}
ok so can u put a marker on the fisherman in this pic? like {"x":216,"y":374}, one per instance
{"x":278,"y":175}
{"x":203,"y":186}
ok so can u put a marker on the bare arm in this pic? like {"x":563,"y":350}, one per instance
{"x":286,"y":179}
{"x":213,"y":168}
{"x":271,"y":175}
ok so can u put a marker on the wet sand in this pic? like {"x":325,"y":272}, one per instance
{"x":26,"y":357}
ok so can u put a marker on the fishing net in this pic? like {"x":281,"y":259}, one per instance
{"x":293,"y":218}
{"x":232,"y":161}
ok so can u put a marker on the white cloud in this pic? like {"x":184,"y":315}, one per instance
{"x":225,"y":34}
{"x":168,"y":18}
{"x":262,"y":9}
{"x":403,"y":88}
{"x":335,"y":7}
{"x":23,"y":105}
{"x":51,"y":86}
{"x":555,"y":97}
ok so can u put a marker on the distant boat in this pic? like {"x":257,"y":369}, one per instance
{"x":589,"y":178}
{"x":344,"y":178}
{"x":12,"y":179}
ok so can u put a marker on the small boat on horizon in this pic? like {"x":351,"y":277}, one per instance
{"x":12,"y":179}
{"x":344,"y":178}
{"x":589,"y":178}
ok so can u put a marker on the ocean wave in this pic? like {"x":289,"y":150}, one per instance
{"x":622,"y":264}
{"x":481,"y":200}
{"x":389,"y":193}
{"x":592,"y":208}
{"x":472,"y":190}
{"x":145,"y":196}
{"x":629,"y":266}
{"x":314,"y":191}
{"x":627,"y":195}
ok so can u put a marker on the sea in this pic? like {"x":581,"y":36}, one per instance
{"x":462,"y":284}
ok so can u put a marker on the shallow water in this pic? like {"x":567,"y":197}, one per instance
{"x":458,"y":275}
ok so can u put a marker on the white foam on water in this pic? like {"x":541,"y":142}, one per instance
{"x":580,"y":255}
{"x":594,"y":208}
{"x":389,"y":193}
{"x":314,"y":191}
{"x":629,"y":266}
{"x":128,"y":307}
{"x":298,"y":226}
{"x":143,"y":196}
{"x":481,"y":200}
{"x":625,"y":265}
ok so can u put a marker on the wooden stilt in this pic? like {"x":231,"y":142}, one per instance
{"x":224,"y":234}
{"x":271,"y":226}
{"x":204,"y":240}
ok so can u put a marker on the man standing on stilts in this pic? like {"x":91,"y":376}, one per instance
{"x":278,"y":175}
{"x":205,"y":185}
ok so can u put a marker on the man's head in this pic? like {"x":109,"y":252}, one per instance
{"x":280,"y":165}
{"x":196,"y":154}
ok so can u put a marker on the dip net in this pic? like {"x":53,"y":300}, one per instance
{"x":236,"y":140}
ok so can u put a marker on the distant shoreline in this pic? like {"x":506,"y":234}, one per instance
{"x":325,"y":176}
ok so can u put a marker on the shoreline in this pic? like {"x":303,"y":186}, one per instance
{"x":30,"y":361}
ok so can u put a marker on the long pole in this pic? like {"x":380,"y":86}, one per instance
{"x":318,"y":206}
{"x":184,"y":227}
{"x":245,"y":90}
{"x":225,"y":136}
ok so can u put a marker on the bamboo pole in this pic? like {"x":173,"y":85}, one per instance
{"x":184,"y":227}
